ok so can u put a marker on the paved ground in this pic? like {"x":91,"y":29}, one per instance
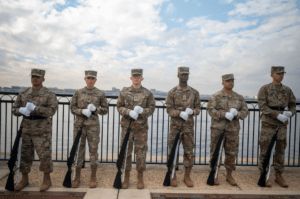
{"x":246,"y":178}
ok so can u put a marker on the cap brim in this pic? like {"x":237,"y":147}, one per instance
{"x":91,"y":76}
{"x":35,"y":74}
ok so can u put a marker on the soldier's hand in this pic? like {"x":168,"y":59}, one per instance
{"x":233,"y":111}
{"x":138,"y":109}
{"x":91,"y":107}
{"x":282,"y":118}
{"x":30,"y":106}
{"x":86,"y":112}
{"x":133,"y":114}
{"x":229,"y":116}
{"x":24,"y":111}
{"x":184,"y":115}
{"x":287,"y":113}
{"x":189,"y":111}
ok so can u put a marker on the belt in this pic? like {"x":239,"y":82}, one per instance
{"x":35,"y":117}
{"x":276,"y":108}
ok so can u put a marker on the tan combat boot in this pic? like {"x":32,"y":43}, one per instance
{"x":46,"y":183}
{"x":187,"y":180}
{"x":76,"y":181}
{"x":279,"y":179}
{"x":174,"y":180}
{"x":229,"y":177}
{"x":126,"y":179}
{"x":140,"y":184}
{"x":23,"y":183}
{"x":93,"y":180}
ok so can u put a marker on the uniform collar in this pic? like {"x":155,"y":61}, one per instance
{"x":183,"y":88}
{"x":136,"y":90}
{"x":41,"y":91}
{"x":225,"y":94}
{"x":88,"y":90}
{"x":273,"y":86}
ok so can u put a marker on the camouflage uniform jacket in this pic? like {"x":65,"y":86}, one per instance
{"x":45,"y":101}
{"x":180,"y":98}
{"x":82,"y":98}
{"x":269,"y":96}
{"x":220,"y":103}
{"x":131,"y":97}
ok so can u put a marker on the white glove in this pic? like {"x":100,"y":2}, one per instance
{"x":229,"y":116}
{"x":287,"y":113}
{"x":138,"y":109}
{"x":30,"y":106}
{"x":233,"y":111}
{"x":86,"y":112}
{"x":282,"y":118}
{"x":184,"y":115}
{"x":24,"y":111}
{"x":91,"y":107}
{"x":133,"y":114}
{"x":189,"y":111}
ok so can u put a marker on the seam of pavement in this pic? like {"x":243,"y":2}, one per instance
{"x":111,"y":193}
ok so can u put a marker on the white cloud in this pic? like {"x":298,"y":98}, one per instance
{"x":170,"y":8}
{"x":264,"y":7}
{"x":226,"y":1}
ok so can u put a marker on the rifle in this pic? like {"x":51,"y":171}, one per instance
{"x":172,"y":158}
{"x":262,"y":179}
{"x":117,"y":182}
{"x":67,"y":181}
{"x":216,"y":156}
{"x":12,"y":161}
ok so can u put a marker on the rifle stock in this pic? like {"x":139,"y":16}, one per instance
{"x":213,"y":161}
{"x":12,"y":161}
{"x":118,"y":182}
{"x":67,"y":180}
{"x":262,"y":179}
{"x":167,"y":180}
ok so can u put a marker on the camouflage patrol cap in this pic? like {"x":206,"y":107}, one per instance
{"x":227,"y":77}
{"x":183,"y":70}
{"x":37,"y":72}
{"x":91,"y":73}
{"x":137,"y":71}
{"x":277,"y":69}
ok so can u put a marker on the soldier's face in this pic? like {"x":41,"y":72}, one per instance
{"x":183,"y":78}
{"x":136,"y":79}
{"x":278,"y":77}
{"x":228,"y":84}
{"x":90,"y":82}
{"x":36,"y":80}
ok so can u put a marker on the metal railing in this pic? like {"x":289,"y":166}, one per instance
{"x":159,"y":126}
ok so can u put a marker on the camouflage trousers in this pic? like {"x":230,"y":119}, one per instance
{"x":38,"y":138}
{"x":230,"y":144}
{"x":187,"y":140}
{"x":265,"y":137}
{"x":139,"y":137}
{"x":91,"y":133}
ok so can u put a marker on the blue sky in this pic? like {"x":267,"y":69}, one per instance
{"x":213,"y":38}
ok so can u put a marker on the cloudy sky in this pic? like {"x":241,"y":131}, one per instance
{"x":212,"y":37}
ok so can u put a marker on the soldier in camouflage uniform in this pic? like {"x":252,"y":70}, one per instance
{"x":36,"y":104}
{"x":183,"y":102}
{"x":226,"y":107}
{"x":138,"y":103}
{"x":86,"y":104}
{"x":273,"y":98}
